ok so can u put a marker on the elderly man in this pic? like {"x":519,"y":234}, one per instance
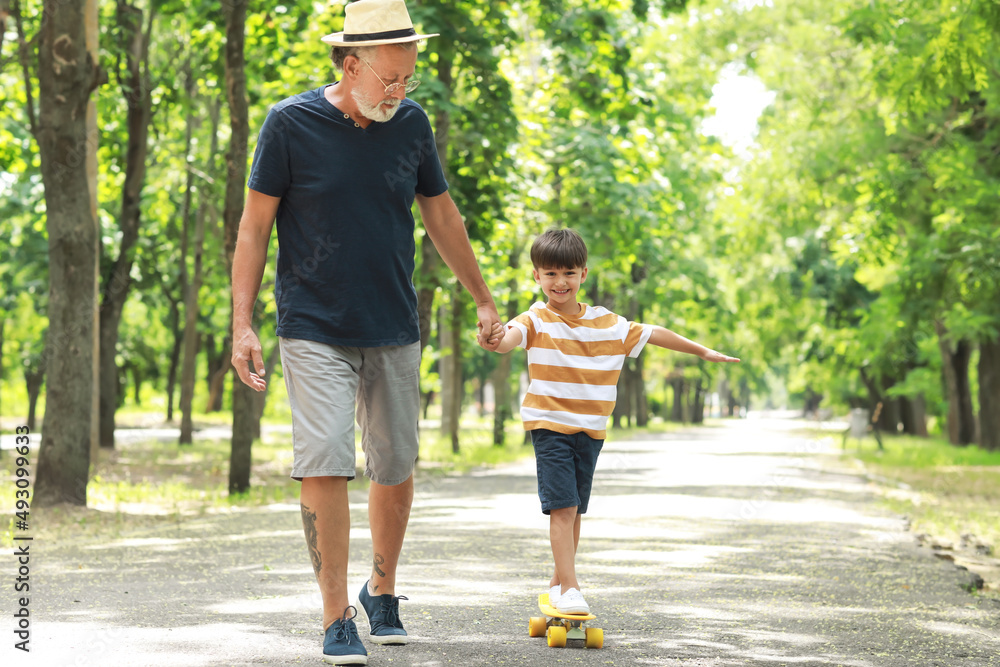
{"x":338,"y":167}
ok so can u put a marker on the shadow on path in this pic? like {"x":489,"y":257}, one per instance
{"x":726,"y":546}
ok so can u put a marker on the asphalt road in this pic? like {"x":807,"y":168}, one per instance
{"x":736,"y":545}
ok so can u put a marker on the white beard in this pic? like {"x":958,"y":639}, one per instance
{"x":374,"y":110}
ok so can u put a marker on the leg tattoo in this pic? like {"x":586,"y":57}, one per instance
{"x":378,"y":561}
{"x":309,"y":525}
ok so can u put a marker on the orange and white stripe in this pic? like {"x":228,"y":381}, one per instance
{"x":573,"y":366}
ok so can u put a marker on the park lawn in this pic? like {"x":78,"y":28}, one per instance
{"x":146,"y":484}
{"x":945,"y":491}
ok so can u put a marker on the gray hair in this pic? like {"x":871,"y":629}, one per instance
{"x":339,"y":53}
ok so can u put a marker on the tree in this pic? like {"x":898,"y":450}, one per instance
{"x":236,"y":161}
{"x":66,"y":77}
{"x":136,"y":88}
{"x":470,"y":106}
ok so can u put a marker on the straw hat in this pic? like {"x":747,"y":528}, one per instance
{"x":374,"y":22}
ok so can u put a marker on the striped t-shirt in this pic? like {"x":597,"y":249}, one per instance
{"x":573,"y":365}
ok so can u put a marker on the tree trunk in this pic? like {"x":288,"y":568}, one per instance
{"x":891,"y":415}
{"x":218,"y":367}
{"x":191,"y":307}
{"x":428,"y":399}
{"x":812,"y":402}
{"x":451,"y":367}
{"x":445,"y":370}
{"x":889,"y":412}
{"x":66,"y":76}
{"x":91,"y":27}
{"x":698,"y":402}
{"x":913,"y":413}
{"x":639,"y":392}
{"x":236,"y":162}
{"x":640,"y":409}
{"x":136,"y":90}
{"x":137,"y":380}
{"x":620,"y":412}
{"x":175,"y":354}
{"x":989,"y":394}
{"x":955,"y":367}
{"x":430,"y":260}
{"x":459,"y":383}
{"x":502,"y":400}
{"x":450,"y":326}
{"x":33,"y":381}
{"x":677,"y":411}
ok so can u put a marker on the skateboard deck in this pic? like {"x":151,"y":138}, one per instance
{"x":559,"y":627}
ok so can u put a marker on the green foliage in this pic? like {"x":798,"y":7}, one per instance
{"x":828,"y":253}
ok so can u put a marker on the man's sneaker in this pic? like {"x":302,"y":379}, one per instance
{"x":572,"y":602}
{"x":383,"y":617}
{"x":554,"y":594}
{"x":342,"y":645}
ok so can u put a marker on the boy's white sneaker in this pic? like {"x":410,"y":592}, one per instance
{"x":572,"y":602}
{"x":554,"y":594}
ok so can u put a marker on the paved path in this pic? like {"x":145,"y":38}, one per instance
{"x":717,"y":546}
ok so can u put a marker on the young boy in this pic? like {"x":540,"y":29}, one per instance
{"x":575,"y":354}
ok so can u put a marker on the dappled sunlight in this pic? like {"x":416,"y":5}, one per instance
{"x":506,"y":510}
{"x":159,"y":542}
{"x":692,"y":565}
{"x":603,"y":526}
{"x":693,"y":556}
{"x":285,"y":604}
{"x":183,"y":645}
{"x":991,"y":637}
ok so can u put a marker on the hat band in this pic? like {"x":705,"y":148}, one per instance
{"x":388,"y":34}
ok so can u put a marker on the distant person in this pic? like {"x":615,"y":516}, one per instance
{"x":575,"y":355}
{"x":338,"y":168}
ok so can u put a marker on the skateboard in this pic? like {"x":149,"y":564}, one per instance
{"x":558,"y":627}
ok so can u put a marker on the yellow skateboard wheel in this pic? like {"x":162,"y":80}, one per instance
{"x":536,"y":626}
{"x":595,"y":638}
{"x":556,"y":636}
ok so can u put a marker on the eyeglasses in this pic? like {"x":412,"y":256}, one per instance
{"x":391,"y":88}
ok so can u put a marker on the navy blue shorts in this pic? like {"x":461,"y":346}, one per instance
{"x":565,"y":465}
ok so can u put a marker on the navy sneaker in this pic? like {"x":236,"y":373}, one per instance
{"x":342,"y":645}
{"x":383,"y":617}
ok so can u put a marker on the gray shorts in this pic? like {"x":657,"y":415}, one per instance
{"x":329,"y":385}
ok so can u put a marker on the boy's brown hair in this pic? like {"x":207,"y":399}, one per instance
{"x":559,"y":249}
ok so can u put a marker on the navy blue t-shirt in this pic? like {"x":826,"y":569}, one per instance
{"x":345,"y":226}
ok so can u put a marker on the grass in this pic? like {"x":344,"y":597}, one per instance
{"x":146,"y":484}
{"x":947,"y":491}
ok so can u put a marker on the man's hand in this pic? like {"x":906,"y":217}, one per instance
{"x":492,"y":338}
{"x":246,"y":348}
{"x":490,"y":329}
{"x":712,"y":355}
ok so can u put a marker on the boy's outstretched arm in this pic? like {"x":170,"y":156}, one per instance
{"x":666,"y":338}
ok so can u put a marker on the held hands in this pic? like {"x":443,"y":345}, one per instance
{"x":490,"y":329}
{"x":491,"y":340}
{"x":712,"y":355}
